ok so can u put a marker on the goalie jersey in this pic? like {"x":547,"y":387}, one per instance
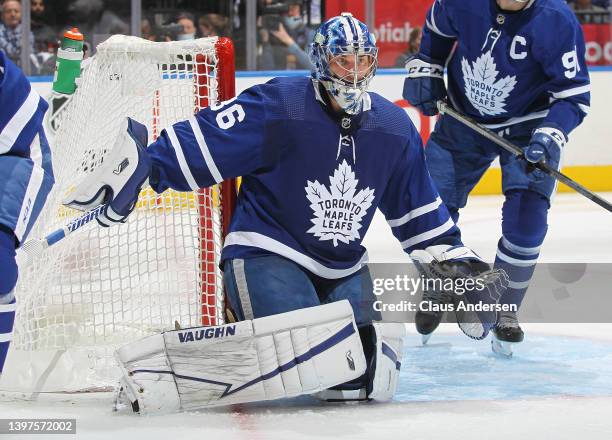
{"x":311,"y":181}
{"x":509,"y":67}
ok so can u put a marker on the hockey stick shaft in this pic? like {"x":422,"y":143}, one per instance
{"x":444,"y":108}
{"x":35,"y":247}
{"x":75,"y":224}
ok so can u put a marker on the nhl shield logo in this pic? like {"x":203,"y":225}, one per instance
{"x":338,"y":211}
{"x":486,"y":93}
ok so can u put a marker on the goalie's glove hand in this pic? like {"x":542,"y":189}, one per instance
{"x":476,"y":287}
{"x":424,"y":85}
{"x":544,"y":147}
{"x":119,"y":179}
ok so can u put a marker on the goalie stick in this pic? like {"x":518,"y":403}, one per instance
{"x":444,"y":108}
{"x":36,"y":246}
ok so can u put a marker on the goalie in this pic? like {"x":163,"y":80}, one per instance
{"x":318,"y":155}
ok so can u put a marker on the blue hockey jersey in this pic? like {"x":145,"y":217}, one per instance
{"x":311,"y":181}
{"x":508,"y":67}
{"x":26,"y":176}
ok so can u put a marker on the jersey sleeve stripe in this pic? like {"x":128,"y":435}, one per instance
{"x":415,"y":213}
{"x":178,"y":150}
{"x":427,"y":235}
{"x":20,"y":119}
{"x":10,"y":307}
{"x":585,"y":108}
{"x":572,"y":92}
{"x":431,"y":24}
{"x":436,"y":30}
{"x":518,"y":119}
{"x":199,"y":136}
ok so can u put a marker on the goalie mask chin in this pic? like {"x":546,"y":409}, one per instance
{"x":344,"y":58}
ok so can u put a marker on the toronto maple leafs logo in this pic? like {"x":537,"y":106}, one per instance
{"x":338,"y":210}
{"x":486,"y":93}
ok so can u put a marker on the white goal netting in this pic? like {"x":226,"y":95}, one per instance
{"x":102,"y":287}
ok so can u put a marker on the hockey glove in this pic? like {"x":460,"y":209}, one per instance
{"x":472,"y":286}
{"x":119,"y":179}
{"x":544,"y":147}
{"x":424,"y":84}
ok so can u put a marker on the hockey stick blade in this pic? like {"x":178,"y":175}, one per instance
{"x":445,"y":108}
{"x":35,"y":247}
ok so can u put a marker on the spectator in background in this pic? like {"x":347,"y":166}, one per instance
{"x":284,"y":41}
{"x":96,"y":22}
{"x":187,"y":21}
{"x":213,"y":25}
{"x":414,"y":42}
{"x":146,"y":30}
{"x":588,"y":13}
{"x":46,"y":37}
{"x":10,"y":31}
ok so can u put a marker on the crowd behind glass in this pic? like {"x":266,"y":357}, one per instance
{"x":284,"y":27}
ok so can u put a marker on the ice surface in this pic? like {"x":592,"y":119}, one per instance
{"x":558,"y":385}
{"x":452,"y":367}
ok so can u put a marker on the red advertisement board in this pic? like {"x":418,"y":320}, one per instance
{"x":598,"y":39}
{"x":393,"y":21}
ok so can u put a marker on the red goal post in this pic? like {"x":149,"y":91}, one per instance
{"x":226,"y":90}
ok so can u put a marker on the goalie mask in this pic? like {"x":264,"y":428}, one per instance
{"x":344,"y":56}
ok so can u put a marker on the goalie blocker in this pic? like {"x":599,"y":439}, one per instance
{"x":284,"y":355}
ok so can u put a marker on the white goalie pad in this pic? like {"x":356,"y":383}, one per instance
{"x":389,"y":351}
{"x":284,"y":355}
{"x":384,"y":369}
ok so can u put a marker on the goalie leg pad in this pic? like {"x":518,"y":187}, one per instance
{"x":147,"y":382}
{"x":289,"y":354}
{"x":383,"y":374}
{"x":388,"y":360}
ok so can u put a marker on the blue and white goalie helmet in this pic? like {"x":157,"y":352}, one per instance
{"x":344,"y":58}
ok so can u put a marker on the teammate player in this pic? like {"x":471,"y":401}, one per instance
{"x":318,"y":155}
{"x":517,"y":67}
{"x":26,"y":178}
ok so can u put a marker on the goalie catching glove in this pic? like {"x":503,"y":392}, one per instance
{"x":119,"y":179}
{"x":461,"y":278}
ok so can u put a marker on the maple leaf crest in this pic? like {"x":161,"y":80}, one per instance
{"x":338,"y":211}
{"x":486,"y":93}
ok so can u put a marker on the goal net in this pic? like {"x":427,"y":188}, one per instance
{"x":102,"y":287}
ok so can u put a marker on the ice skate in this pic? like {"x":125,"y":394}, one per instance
{"x":506,"y":333}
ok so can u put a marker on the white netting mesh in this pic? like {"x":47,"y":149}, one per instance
{"x":101,"y":287}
